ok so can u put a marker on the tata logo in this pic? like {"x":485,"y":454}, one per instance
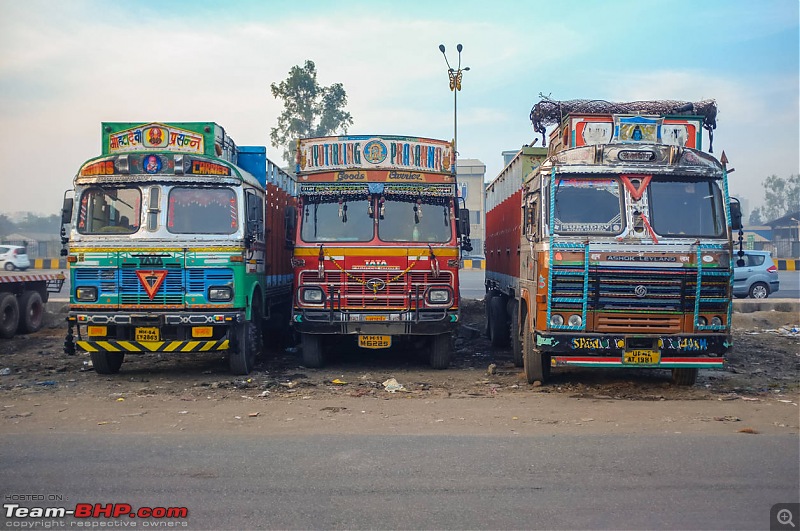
{"x":375,"y":263}
{"x":150,"y":261}
{"x":375,"y":284}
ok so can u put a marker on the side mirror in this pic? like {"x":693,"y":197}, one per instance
{"x":736,"y":214}
{"x":66,"y":211}
{"x":463,"y":222}
{"x":736,"y":224}
{"x":290,"y":224}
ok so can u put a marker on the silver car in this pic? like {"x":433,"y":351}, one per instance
{"x":757,"y":278}
{"x":14,"y":257}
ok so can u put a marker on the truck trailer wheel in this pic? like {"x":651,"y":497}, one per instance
{"x":31,"y":310}
{"x":535,"y":363}
{"x":684,"y":376}
{"x":312,"y":350}
{"x":487,"y":302}
{"x":9,"y":315}
{"x":248,"y":343}
{"x":498,"y":322}
{"x":516,"y":344}
{"x":441,"y":351}
{"x":107,"y":362}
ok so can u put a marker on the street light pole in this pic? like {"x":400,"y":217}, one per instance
{"x":455,"y":85}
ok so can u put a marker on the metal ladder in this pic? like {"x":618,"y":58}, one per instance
{"x":698,"y":288}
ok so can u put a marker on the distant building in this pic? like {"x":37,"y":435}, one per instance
{"x":471,"y":173}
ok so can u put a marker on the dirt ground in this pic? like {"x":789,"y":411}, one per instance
{"x":41,"y":388}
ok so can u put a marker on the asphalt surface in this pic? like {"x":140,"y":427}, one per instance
{"x":669,"y":481}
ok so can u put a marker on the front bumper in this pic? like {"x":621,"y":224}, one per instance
{"x":422,"y":322}
{"x":671,"y":351}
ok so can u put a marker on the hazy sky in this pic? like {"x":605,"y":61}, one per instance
{"x":66,"y":66}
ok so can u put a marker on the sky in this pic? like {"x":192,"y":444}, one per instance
{"x":66,"y":66}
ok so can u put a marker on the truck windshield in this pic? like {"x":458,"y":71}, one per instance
{"x":584,"y":206}
{"x":422,"y":220}
{"x":202,"y":211}
{"x":686,"y":208}
{"x":109,"y":210}
{"x":349,"y":221}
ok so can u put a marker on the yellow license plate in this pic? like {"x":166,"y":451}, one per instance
{"x":641,"y":357}
{"x":374,"y":341}
{"x":150,"y":333}
{"x":375,"y":318}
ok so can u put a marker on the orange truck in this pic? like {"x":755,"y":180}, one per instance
{"x":612,"y":247}
{"x":377,"y":245}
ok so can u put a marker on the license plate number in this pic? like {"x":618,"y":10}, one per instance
{"x":148,"y":334}
{"x":374,"y":341}
{"x":641,"y":357}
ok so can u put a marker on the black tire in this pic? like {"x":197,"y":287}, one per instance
{"x":249,"y":342}
{"x":516,"y":343}
{"x":498,"y":322}
{"x":9,"y":315}
{"x":441,"y":351}
{"x":9,"y":266}
{"x":107,"y":362}
{"x":31,"y":311}
{"x":487,"y":300}
{"x":686,"y":377}
{"x":759,"y":290}
{"x":536,"y":364}
{"x":312,"y":350}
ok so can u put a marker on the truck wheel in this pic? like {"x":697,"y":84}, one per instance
{"x":684,"y":376}
{"x":487,"y":302}
{"x":536,"y":364}
{"x":516,"y":344}
{"x":31,"y":311}
{"x":9,"y":315}
{"x":107,"y":362}
{"x":498,"y":322}
{"x":312,"y":350}
{"x":441,"y":351}
{"x":242,"y":358}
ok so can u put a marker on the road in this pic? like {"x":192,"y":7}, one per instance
{"x":235,"y":481}
{"x":472,"y":284}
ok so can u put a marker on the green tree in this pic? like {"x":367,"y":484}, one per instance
{"x":755,"y":217}
{"x":6,"y":225}
{"x":781,"y":196}
{"x":308,"y":109}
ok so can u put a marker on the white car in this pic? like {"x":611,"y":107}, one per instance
{"x":14,"y":257}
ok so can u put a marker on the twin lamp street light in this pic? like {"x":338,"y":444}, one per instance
{"x":455,"y":86}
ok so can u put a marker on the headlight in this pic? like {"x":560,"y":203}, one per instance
{"x":86,"y":293}
{"x":716,"y":321}
{"x":438,"y":296}
{"x":702,"y":321}
{"x":312,"y":295}
{"x":575,"y":321}
{"x":556,"y":320}
{"x":220,"y":293}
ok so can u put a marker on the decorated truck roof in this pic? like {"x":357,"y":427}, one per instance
{"x":201,"y":150}
{"x":375,"y":158}
{"x":589,"y":122}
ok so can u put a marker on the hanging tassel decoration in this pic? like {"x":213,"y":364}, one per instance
{"x":383,"y":207}
{"x":344,"y":213}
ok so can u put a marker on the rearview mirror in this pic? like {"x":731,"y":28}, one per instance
{"x":290,"y":224}
{"x":736,"y":214}
{"x":66,"y":211}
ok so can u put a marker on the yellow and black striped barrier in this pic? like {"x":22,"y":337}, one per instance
{"x":787,"y":264}
{"x":49,"y":263}
{"x":474,"y":264}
